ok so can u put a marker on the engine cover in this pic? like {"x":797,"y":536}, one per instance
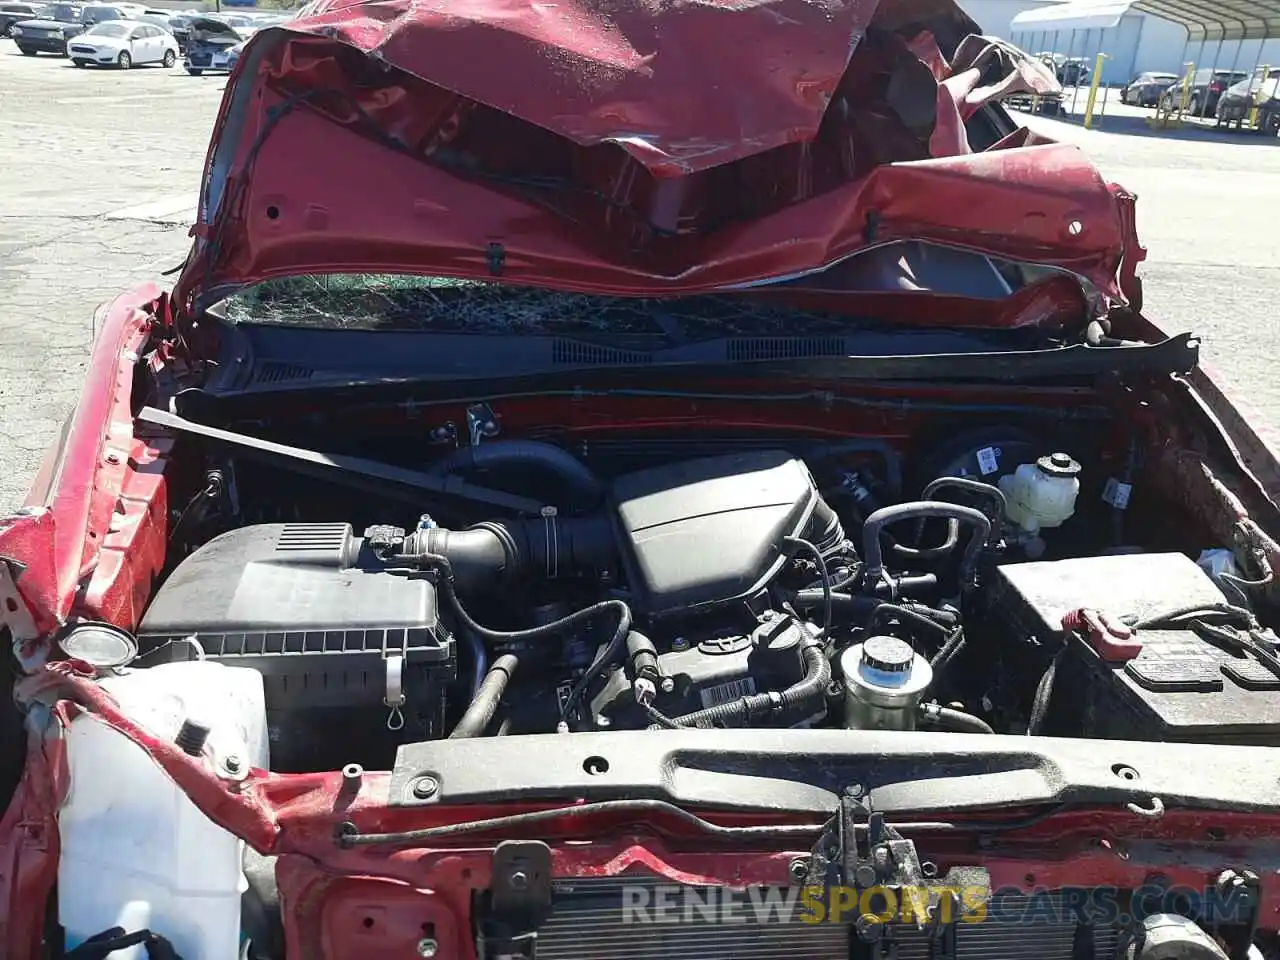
{"x":706,"y":532}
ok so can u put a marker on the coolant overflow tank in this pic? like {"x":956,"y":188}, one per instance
{"x":884,"y":681}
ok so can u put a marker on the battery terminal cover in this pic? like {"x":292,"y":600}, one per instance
{"x":1113,"y":639}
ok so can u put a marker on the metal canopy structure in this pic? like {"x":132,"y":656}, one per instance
{"x":1219,"y":19}
{"x":1204,"y":20}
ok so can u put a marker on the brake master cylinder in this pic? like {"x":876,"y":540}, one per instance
{"x":1042,"y":494}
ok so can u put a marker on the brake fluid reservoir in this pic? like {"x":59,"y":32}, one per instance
{"x":1042,"y":494}
{"x":884,"y":681}
{"x":136,"y":852}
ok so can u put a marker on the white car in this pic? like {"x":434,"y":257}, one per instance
{"x":123,"y":43}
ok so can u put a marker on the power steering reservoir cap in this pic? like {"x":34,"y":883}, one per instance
{"x":886,"y":661}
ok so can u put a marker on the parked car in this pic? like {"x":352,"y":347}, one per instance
{"x":500,"y":541}
{"x":1205,"y":88}
{"x":180,"y":27}
{"x":1145,"y":89}
{"x":62,"y":22}
{"x":1238,"y":101}
{"x":123,"y":44}
{"x":11,"y":13}
{"x":1074,"y":72}
{"x":208,"y":40}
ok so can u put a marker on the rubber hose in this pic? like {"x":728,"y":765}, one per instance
{"x":954,"y":720}
{"x":929,"y":553}
{"x":1044,"y":693}
{"x":999,"y":504}
{"x":521,"y":454}
{"x":887,"y":610}
{"x":479,"y":661}
{"x":873,"y":558}
{"x":541,"y":632}
{"x":496,"y":550}
{"x":485,"y":703}
{"x":809,"y":692}
{"x":906,"y":586}
{"x":949,"y":651}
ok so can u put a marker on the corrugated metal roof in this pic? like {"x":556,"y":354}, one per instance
{"x":1204,"y":19}
{"x":1075,"y":15}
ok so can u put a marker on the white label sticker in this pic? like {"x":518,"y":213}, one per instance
{"x":1117,"y":493}
{"x":988,"y":460}
{"x":728,"y":692}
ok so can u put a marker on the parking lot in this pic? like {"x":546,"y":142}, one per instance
{"x":100,"y":170}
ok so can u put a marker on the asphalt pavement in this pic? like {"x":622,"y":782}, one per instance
{"x":99,"y":171}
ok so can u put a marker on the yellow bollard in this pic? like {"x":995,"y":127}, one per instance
{"x":1186,"y":89}
{"x":1257,"y":96}
{"x":1093,"y":90}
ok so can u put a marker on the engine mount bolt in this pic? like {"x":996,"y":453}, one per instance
{"x":668,"y":684}
{"x":352,"y":772}
{"x":232,"y":764}
{"x":427,"y":947}
{"x":854,"y":790}
{"x":518,"y":880}
{"x":798,"y":869}
{"x":424,"y":788}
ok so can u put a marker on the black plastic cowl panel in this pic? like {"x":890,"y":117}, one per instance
{"x":705,"y":532}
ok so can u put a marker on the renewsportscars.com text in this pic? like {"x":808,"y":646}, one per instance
{"x":675,"y":903}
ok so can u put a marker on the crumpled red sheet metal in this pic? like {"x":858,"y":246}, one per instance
{"x":645,"y":150}
{"x":680,"y":87}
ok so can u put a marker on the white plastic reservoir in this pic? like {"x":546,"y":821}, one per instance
{"x":136,"y":852}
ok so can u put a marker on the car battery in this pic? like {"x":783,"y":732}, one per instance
{"x":1179,"y":687}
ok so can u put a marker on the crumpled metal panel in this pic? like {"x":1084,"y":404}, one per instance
{"x":680,"y":87}
{"x":630,"y":150}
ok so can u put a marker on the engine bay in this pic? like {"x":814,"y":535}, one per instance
{"x":992,"y":587}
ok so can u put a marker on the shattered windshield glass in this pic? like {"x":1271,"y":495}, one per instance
{"x":436,"y":304}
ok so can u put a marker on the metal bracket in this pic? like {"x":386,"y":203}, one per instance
{"x":482,"y":423}
{"x":863,"y":851}
{"x":519,"y":898}
{"x":15,"y":616}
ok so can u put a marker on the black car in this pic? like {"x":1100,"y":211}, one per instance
{"x":208,"y":41}
{"x":66,"y":20}
{"x":1205,"y":88}
{"x":11,"y":13}
{"x":1144,"y":90}
{"x":1261,"y":93}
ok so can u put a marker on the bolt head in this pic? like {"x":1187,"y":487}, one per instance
{"x":427,"y":947}
{"x":518,"y":880}
{"x":869,"y":928}
{"x":798,"y":869}
{"x":865,"y":876}
{"x":424,"y":788}
{"x":233,"y":764}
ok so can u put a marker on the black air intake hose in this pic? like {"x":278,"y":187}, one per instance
{"x":521,"y":455}
{"x":491,"y":552}
{"x":485,"y":703}
{"x":809,"y":695}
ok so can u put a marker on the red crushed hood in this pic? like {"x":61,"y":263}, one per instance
{"x":630,"y":148}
